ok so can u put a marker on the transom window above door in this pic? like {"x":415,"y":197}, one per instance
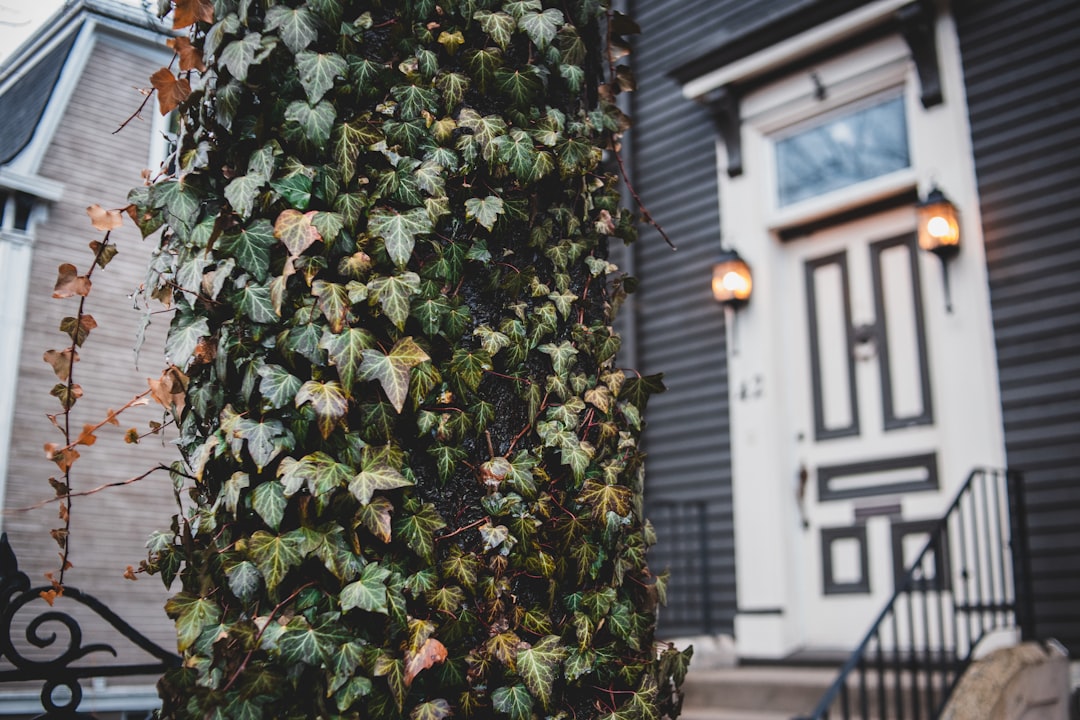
{"x":845,"y":148}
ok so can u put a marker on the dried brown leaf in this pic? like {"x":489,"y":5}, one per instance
{"x":190,"y":56}
{"x":61,"y":361}
{"x":188,"y":12}
{"x":431,"y":652}
{"x":104,"y":220}
{"x":69,"y":282}
{"x":171,"y":90}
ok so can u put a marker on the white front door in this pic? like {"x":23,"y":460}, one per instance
{"x":866,"y":438}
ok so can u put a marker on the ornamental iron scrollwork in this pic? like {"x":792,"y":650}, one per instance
{"x":59,"y":672}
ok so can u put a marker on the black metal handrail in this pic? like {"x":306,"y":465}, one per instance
{"x":971,"y":579}
{"x":60,"y":673}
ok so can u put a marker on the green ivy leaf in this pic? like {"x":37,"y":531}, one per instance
{"x":375,"y":516}
{"x":537,"y":667}
{"x":304,"y":643}
{"x":483,"y":64}
{"x":602,"y":499}
{"x":278,"y":386}
{"x":239,"y":55}
{"x":244,"y":580}
{"x":319,"y":472}
{"x":453,"y":87}
{"x":265,"y":440}
{"x":392,"y":369}
{"x":251,"y":248}
{"x":399,"y":230}
{"x":446,"y":459}
{"x":541,"y":26}
{"x":327,"y":399}
{"x":514,"y":701}
{"x":296,"y":189}
{"x":334,"y":303}
{"x":192,"y":614}
{"x":484,"y":210}
{"x":638,"y":390}
{"x":562,"y":356}
{"x":275,"y":555}
{"x":318,"y":72}
{"x":349,"y":140}
{"x":518,"y":153}
{"x":297,"y":27}
{"x":346,"y":350}
{"x":518,"y":8}
{"x":437,"y":709}
{"x":254,"y":301}
{"x":498,"y":25}
{"x":393,"y":294}
{"x":521,"y":86}
{"x":367,"y":593}
{"x":268,"y":501}
{"x":241,"y":193}
{"x":418,"y":530}
{"x":185,"y":332}
{"x":377,"y":477}
{"x":414,"y":101}
{"x":315,"y":120}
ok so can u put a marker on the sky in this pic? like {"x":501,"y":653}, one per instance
{"x":20,"y":18}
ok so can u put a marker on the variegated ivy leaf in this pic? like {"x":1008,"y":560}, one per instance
{"x":414,"y":101}
{"x":318,"y":472}
{"x":349,"y":139}
{"x":275,"y":555}
{"x":251,"y":247}
{"x":484,"y":210}
{"x":244,"y":580}
{"x":268,"y":501}
{"x":192,"y":614}
{"x":538,"y":666}
{"x":297,"y":27}
{"x":541,"y":26}
{"x":367,"y":593}
{"x":346,"y":351}
{"x":453,"y":87}
{"x":377,"y":476}
{"x":399,"y":230}
{"x":328,"y":400}
{"x":315,"y":120}
{"x":392,"y":369}
{"x":375,"y":516}
{"x":562,"y":356}
{"x":185,"y":333}
{"x":278,"y":386}
{"x":393,"y":294}
{"x":239,"y":55}
{"x":514,"y":701}
{"x":498,"y":25}
{"x":334,"y":302}
{"x":318,"y":72}
{"x":518,"y":8}
{"x":241,"y":193}
{"x":295,"y":230}
{"x":255,"y":301}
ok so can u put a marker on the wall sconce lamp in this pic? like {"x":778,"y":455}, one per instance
{"x":939,"y":233}
{"x":732,"y":282}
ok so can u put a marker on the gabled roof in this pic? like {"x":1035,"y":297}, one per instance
{"x":29,"y":77}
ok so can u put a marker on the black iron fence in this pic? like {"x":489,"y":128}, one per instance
{"x":44,"y":645}
{"x":683,"y":548}
{"x":971,"y":579}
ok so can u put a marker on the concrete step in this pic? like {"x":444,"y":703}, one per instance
{"x":765,"y":692}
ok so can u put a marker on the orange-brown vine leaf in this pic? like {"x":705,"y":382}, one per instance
{"x":295,"y":230}
{"x":49,"y":596}
{"x":61,"y":361}
{"x":67,"y":396}
{"x":171,"y":90}
{"x":131,"y":437}
{"x":60,"y":488}
{"x":63,"y":513}
{"x":188,"y":12}
{"x":431,"y":652}
{"x":78,"y":328}
{"x":104,"y":220}
{"x":190,"y":56}
{"x":169,"y":389}
{"x":63,"y":457}
{"x":69,"y":282}
{"x":111,"y":418}
{"x":87,"y":437}
{"x":130,"y":573}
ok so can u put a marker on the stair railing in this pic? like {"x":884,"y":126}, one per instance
{"x":971,"y":580}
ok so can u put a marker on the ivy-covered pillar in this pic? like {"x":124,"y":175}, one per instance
{"x":411,"y":483}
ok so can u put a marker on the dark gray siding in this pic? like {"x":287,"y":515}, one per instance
{"x":680,"y":329}
{"x":1022,"y":68}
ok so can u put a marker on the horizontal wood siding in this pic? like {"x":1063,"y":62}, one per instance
{"x":109,"y":529}
{"x":1022,"y":69}
{"x":680,"y":329}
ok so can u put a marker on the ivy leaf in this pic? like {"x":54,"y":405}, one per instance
{"x":315,"y":120}
{"x":418,"y":531}
{"x":521,"y":86}
{"x":192,"y":614}
{"x":537,"y":667}
{"x":453,"y":87}
{"x":185,"y":332}
{"x":518,"y":8}
{"x":417,"y":660}
{"x":239,"y":55}
{"x":255,"y":302}
{"x":244,"y":580}
{"x":265,"y":440}
{"x":346,"y":350}
{"x":349,"y":139}
{"x":78,"y":328}
{"x":296,"y":189}
{"x":430,"y":178}
{"x":484,"y":210}
{"x":297,"y":27}
{"x":414,"y":101}
{"x":518,"y":153}
{"x":498,"y":25}
{"x":399,"y":230}
{"x":319,"y":472}
{"x":327,"y":399}
{"x":334,"y":303}
{"x":303,"y":642}
{"x":638,"y":390}
{"x":318,"y":71}
{"x":274,"y":555}
{"x":379,"y":476}
{"x":513,"y":701}
{"x":393,"y":293}
{"x":483,"y":64}
{"x":562,"y":356}
{"x":392,"y":369}
{"x":375,"y":516}
{"x":268,"y":500}
{"x":602,"y":499}
{"x":367,"y":593}
{"x":541,"y":26}
{"x":469,"y":366}
{"x":251,"y":248}
{"x":278,"y":386}
{"x":295,"y":230}
{"x":241,"y":193}
{"x":437,"y":709}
